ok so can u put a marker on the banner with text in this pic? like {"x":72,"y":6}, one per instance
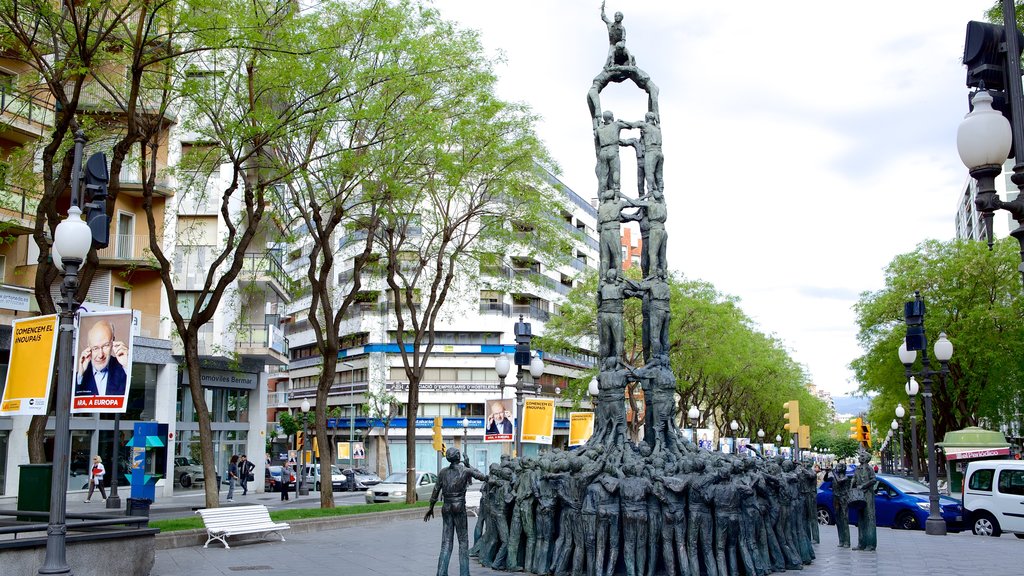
{"x":33,"y":352}
{"x":538,"y":420}
{"x":581,"y":428}
{"x":103,"y":362}
{"x":498,"y":427}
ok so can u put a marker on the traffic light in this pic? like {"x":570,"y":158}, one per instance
{"x":804,"y":437}
{"x":316,"y":447}
{"x":96,"y":179}
{"x":865,"y":433}
{"x":524,"y":336}
{"x":438,"y":440}
{"x":792,"y":417}
{"x":857,"y":429}
{"x":298,"y":440}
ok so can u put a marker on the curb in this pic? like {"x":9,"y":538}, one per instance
{"x":197,"y":537}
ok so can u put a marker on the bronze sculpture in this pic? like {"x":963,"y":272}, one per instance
{"x":452,"y":482}
{"x":864,"y":483}
{"x":841,"y":501}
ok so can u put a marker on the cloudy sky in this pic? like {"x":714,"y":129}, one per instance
{"x":806,"y":142}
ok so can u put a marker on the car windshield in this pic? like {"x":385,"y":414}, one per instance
{"x":396,"y":478}
{"x":907,"y":486}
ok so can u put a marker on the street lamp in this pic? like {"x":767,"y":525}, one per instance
{"x":352,"y":413}
{"x":900,"y":413}
{"x":760,"y":439}
{"x":734,"y":426}
{"x":917,"y":339}
{"x":898,"y":451}
{"x":523,"y":357}
{"x":912,"y":389}
{"x":302,"y":488}
{"x":465,"y":437}
{"x":694,"y":415}
{"x":985,"y":137}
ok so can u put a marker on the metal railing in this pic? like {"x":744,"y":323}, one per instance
{"x":26,"y":106}
{"x":277,"y":399}
{"x":126,"y":247}
{"x":531,"y":311}
{"x":495,"y":308}
{"x":89,"y":521}
{"x":131,"y":174}
{"x":18,"y":200}
{"x":268,"y":263}
{"x":261,"y":336}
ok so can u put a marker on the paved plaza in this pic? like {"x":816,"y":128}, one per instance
{"x":410,"y":547}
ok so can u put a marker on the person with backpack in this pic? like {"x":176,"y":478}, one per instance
{"x":96,"y":478}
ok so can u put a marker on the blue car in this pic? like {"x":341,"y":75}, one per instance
{"x":899,"y":503}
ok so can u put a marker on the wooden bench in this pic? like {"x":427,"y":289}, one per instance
{"x":473,"y":503}
{"x":234,"y":520}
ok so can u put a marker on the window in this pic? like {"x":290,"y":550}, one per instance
{"x":125,"y":241}
{"x":3,"y":268}
{"x":981,"y":480}
{"x":122,"y":298}
{"x":1011,"y":482}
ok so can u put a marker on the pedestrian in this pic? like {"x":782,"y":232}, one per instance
{"x":245,"y":468}
{"x":232,"y":477}
{"x":285,"y":478}
{"x":96,"y":478}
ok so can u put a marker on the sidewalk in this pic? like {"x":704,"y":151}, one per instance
{"x":410,"y":548}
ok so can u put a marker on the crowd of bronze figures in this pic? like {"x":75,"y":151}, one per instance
{"x":605,"y":510}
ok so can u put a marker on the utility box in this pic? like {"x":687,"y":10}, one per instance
{"x":138,"y":507}
{"x":34,"y":489}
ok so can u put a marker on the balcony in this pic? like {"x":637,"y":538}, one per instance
{"x":18,"y":207}
{"x":127,"y":250}
{"x":130,"y":178}
{"x":23,"y":117}
{"x":531,"y":311}
{"x":264,"y":341}
{"x":265,"y":267}
{"x":277,"y":399}
{"x":496,"y":308}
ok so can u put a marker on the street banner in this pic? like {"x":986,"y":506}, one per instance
{"x":727,"y":445}
{"x":770,"y":450}
{"x":33,"y":352}
{"x":581,"y":427}
{"x":103,"y":362}
{"x":706,"y":439}
{"x":344,"y":450}
{"x":358,"y":452}
{"x":539,"y":420}
{"x":741,"y":447}
{"x":499,"y":425}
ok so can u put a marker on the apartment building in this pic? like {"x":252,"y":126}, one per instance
{"x":475,"y":326}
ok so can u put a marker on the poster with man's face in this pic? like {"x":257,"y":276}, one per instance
{"x":103,"y":362}
{"x":498,"y":423}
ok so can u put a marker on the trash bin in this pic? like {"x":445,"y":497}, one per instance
{"x":34,"y":489}
{"x":138,"y":507}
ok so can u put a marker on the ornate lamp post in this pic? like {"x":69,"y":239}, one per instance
{"x":302,"y":488}
{"x":760,"y":439}
{"x":916,"y":339}
{"x":465,"y":437}
{"x":912,"y":389}
{"x":734,"y":426}
{"x":900,"y":413}
{"x":694,"y":415}
{"x":897,"y":451}
{"x":71,"y":241}
{"x":523,"y":357}
{"x":778,"y":444}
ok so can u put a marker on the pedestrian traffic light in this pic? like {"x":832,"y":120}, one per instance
{"x":792,"y":416}
{"x":865,"y":433}
{"x":857,"y":429}
{"x":438,"y":440}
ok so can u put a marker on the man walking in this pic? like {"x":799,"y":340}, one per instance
{"x":453,"y":481}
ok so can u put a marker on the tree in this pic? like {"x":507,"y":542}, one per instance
{"x":468,"y":191}
{"x":974,"y":296}
{"x":96,"y":61}
{"x":381,"y":405}
{"x":721,"y":362}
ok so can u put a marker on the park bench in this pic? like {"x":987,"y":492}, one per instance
{"x":473,"y":502}
{"x":234,"y":520}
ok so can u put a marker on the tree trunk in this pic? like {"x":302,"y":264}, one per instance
{"x":410,"y":440}
{"x":387,"y":448}
{"x":211,"y":486}
{"x":322,"y":390}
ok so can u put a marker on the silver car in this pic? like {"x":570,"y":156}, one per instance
{"x":392,"y":489}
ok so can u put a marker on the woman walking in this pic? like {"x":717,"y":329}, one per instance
{"x":96,"y":478}
{"x":232,"y":477}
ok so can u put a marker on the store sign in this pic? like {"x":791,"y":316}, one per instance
{"x":224,"y":379}
{"x":15,"y":299}
{"x":453,"y":387}
{"x":976,"y":454}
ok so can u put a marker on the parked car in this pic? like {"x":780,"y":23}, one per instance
{"x":994,"y":497}
{"x":188,"y":472}
{"x":359,"y":479}
{"x":312,"y":477}
{"x":392,"y":489}
{"x":899,"y":503}
{"x":272,"y":478}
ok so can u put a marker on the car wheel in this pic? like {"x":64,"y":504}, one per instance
{"x":986,"y":525}
{"x":185,"y":480}
{"x":824,"y":516}
{"x":907,"y":521}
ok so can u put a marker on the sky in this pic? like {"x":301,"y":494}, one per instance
{"x":806,"y":143}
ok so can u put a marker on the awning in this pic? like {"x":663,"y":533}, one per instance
{"x":976,"y":454}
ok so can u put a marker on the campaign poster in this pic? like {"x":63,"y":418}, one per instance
{"x":706,"y":439}
{"x":358,"y":452}
{"x":344,"y":450}
{"x":538,"y":420}
{"x":687,"y":434}
{"x":33,"y":351}
{"x":103,"y":362}
{"x":581,"y":428}
{"x":769,"y":450}
{"x":741,"y":446}
{"x":727,"y":445}
{"x":499,"y":425}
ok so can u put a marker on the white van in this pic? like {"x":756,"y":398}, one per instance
{"x":994,"y":497}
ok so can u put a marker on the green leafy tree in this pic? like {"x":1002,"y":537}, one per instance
{"x":974,"y":296}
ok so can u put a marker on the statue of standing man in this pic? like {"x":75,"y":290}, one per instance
{"x":617,"y":53}
{"x":453,"y":481}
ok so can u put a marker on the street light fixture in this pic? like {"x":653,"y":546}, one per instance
{"x":760,"y":439}
{"x":465,"y":437}
{"x":917,"y":339}
{"x":694,"y":415}
{"x":734,"y":426}
{"x":900,"y":413}
{"x":302,"y":488}
{"x":523,"y":357}
{"x":912,"y":389}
